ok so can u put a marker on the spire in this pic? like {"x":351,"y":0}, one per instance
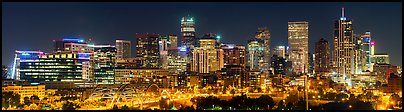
{"x":342,"y":12}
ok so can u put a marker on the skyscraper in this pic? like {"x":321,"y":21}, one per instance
{"x":123,"y":48}
{"x":298,"y":36}
{"x":343,"y":53}
{"x":205,"y":58}
{"x":263,"y":34}
{"x":163,"y":49}
{"x":322,"y":56}
{"x":187,"y":31}
{"x":147,"y":46}
{"x":280,"y":51}
{"x":173,"y":39}
{"x":104,"y":64}
{"x":362,"y":52}
{"x":255,"y":49}
{"x":234,"y":55}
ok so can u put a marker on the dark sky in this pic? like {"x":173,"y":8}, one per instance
{"x":31,"y":26}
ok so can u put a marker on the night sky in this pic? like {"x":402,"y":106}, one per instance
{"x":33,"y":26}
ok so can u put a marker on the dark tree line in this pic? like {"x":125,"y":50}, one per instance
{"x":264,"y":102}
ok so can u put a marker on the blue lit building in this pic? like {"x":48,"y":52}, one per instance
{"x":37,"y":67}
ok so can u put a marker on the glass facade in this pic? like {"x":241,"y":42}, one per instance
{"x":104,"y":59}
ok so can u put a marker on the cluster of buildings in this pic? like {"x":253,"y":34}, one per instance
{"x":206,"y":61}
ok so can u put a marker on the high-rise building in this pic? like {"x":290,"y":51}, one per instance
{"x":147,"y":46}
{"x":177,"y":61}
{"x":104,"y":64}
{"x":187,"y":31}
{"x":322,"y":56}
{"x":123,"y":48}
{"x":255,"y":49}
{"x":380,"y":59}
{"x":278,"y":64}
{"x":311,"y":64}
{"x":59,"y":44}
{"x":234,"y":55}
{"x":280,"y":51}
{"x":173,"y":39}
{"x":163,"y":49}
{"x":343,"y":52}
{"x":263,"y":34}
{"x":298,"y":36}
{"x":362,"y":53}
{"x":205,"y":58}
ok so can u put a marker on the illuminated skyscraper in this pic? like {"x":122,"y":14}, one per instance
{"x":234,"y":55}
{"x":322,"y":56}
{"x":343,"y":53}
{"x":298,"y":36}
{"x":173,"y":39}
{"x":147,"y":46}
{"x":205,"y":58}
{"x":123,"y":48}
{"x":280,"y":51}
{"x":255,"y":49}
{"x":163,"y":49}
{"x":104,"y":64}
{"x":263,"y":34}
{"x":187,"y":31}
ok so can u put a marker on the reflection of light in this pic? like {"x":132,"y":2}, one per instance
{"x":25,"y":54}
{"x":183,"y":49}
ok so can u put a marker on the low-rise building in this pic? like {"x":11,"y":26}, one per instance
{"x":26,"y":90}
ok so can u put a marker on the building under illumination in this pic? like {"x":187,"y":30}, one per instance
{"x":298,"y":36}
{"x":104,"y":64}
{"x":38,"y":67}
{"x":322,"y":57}
{"x":123,"y":49}
{"x":343,"y":52}
{"x":188,"y":31}
{"x":147,"y":46}
{"x":263,"y":34}
{"x":280,"y":51}
{"x":207,"y":58}
{"x":234,"y":55}
{"x":380,"y":59}
{"x":26,"y":91}
{"x":164,"y":44}
{"x":143,"y":77}
{"x":255,"y":56}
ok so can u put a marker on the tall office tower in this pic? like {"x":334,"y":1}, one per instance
{"x":147,"y":46}
{"x":205,"y":57}
{"x":163,"y":49}
{"x":366,"y":51}
{"x":234,"y":55}
{"x":263,"y":34}
{"x":173,"y":39}
{"x":255,"y":49}
{"x":123,"y":48}
{"x":343,"y":47}
{"x":280,"y":51}
{"x":322,"y":56}
{"x":187,"y":32}
{"x":104,"y":64}
{"x":298,"y":36}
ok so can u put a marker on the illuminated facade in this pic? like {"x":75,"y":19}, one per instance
{"x":343,"y":52}
{"x":123,"y":49}
{"x":38,"y":67}
{"x":147,"y":46}
{"x":177,"y":61}
{"x":143,"y":77}
{"x":173,"y":39}
{"x":234,"y":55}
{"x":163,"y":50}
{"x":187,"y":32}
{"x":380,"y":59}
{"x":255,"y":49}
{"x":59,"y":44}
{"x":280,"y":51}
{"x":322,"y":56}
{"x":26,"y":91}
{"x":104,"y":64}
{"x":205,"y":58}
{"x":263,"y":34}
{"x":383,"y":71}
{"x":298,"y":36}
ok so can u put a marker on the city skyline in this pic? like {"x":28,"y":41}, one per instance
{"x":95,"y":22}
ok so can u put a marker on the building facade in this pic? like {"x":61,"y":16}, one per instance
{"x":255,"y":49}
{"x":343,"y":52}
{"x":263,"y":34}
{"x":234,"y":55}
{"x":147,"y":46}
{"x":322,"y":56}
{"x":123,"y":48}
{"x":280,"y":51}
{"x":298,"y":36}
{"x":104,"y":64}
